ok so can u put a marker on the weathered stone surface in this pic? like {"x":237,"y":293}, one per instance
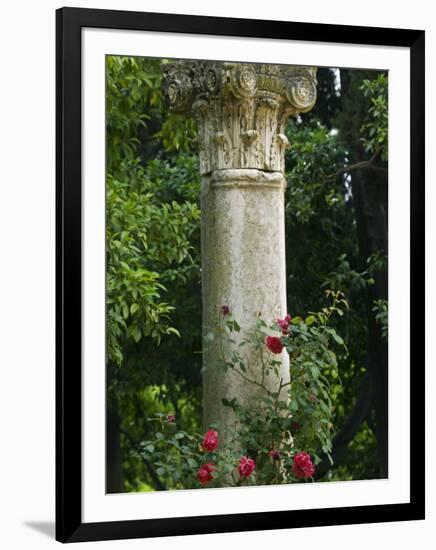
{"x":241,"y":111}
{"x":243,"y":266}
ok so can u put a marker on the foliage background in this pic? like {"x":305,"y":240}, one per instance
{"x":336,"y":235}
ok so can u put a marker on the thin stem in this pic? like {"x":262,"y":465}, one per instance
{"x":249,"y":379}
{"x":263,"y":366}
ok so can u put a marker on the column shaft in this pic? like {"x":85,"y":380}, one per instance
{"x":243,"y":267}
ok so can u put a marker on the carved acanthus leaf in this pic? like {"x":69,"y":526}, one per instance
{"x":241,"y":109}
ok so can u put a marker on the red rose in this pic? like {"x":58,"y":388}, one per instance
{"x":303,"y":466}
{"x":204,"y":473}
{"x":274,"y":454}
{"x":210,"y":440}
{"x":274,"y":344}
{"x":284,"y":324}
{"x":171,"y":418}
{"x":246,"y":466}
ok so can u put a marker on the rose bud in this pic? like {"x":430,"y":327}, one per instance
{"x":295,"y":426}
{"x":284,"y":324}
{"x":225,"y":310}
{"x":274,"y":454}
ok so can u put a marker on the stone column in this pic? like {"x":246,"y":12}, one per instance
{"x":241,"y":111}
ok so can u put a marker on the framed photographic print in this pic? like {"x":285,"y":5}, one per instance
{"x":240,"y":274}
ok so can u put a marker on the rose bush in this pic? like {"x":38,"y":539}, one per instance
{"x":286,"y":436}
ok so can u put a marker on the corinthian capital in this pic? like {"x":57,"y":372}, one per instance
{"x":241,"y":109}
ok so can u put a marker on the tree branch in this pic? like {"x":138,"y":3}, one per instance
{"x":357,"y":166}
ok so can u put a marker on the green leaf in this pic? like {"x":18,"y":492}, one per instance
{"x":310,"y":319}
{"x":125,"y":310}
{"x":336,"y":337}
{"x":293,"y":405}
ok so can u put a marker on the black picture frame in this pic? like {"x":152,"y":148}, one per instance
{"x":69,"y":525}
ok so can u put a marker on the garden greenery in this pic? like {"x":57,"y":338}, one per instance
{"x":154,"y":335}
